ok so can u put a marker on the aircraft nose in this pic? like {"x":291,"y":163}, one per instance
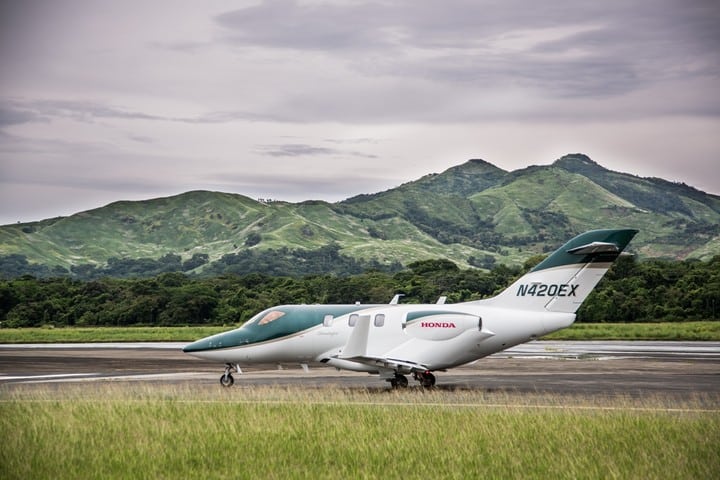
{"x":198,"y":346}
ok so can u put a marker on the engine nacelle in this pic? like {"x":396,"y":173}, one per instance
{"x":429,"y":325}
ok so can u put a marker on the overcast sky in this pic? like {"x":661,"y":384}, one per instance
{"x":296,"y":100}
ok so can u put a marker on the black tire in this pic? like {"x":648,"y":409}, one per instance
{"x":428,"y":380}
{"x":227,"y":380}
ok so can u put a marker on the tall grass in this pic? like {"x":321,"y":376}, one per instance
{"x":174,"y":432}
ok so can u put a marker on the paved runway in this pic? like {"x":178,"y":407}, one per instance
{"x":674,"y":369}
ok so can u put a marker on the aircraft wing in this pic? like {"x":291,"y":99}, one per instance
{"x":387,"y":363}
{"x":356,"y":350}
{"x":357,"y":344}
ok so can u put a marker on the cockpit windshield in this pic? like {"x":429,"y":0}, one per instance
{"x":266,"y":317}
{"x":271,"y":317}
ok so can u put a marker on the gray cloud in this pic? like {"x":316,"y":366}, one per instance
{"x":294,"y":150}
{"x":181,"y":46}
{"x":287,"y":24}
{"x":40,"y":109}
{"x":141,"y":138}
{"x":12,"y":116}
{"x":79,"y":110}
{"x":585,"y":77}
{"x":233,"y":116}
{"x":618,"y":47}
{"x":303,"y":150}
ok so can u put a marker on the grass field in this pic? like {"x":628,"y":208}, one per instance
{"x":689,"y":331}
{"x":106,"y":334}
{"x":112,"y":431}
{"x":702,"y":331}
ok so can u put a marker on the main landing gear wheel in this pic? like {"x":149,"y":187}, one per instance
{"x":398,"y":381}
{"x":426,"y":379}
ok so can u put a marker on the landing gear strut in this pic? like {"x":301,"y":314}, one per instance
{"x":426,"y":378}
{"x":398,"y":381}
{"x":226,"y":380}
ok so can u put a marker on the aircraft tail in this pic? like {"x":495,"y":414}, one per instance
{"x":562,"y":281}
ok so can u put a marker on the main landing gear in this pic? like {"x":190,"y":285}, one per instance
{"x":426,"y":379}
{"x":226,"y":380}
{"x":398,"y":381}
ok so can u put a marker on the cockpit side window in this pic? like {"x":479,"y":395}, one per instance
{"x":271,"y":317}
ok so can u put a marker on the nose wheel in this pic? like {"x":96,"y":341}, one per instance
{"x":227,"y":380}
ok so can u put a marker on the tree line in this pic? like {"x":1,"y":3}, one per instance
{"x":633,"y":291}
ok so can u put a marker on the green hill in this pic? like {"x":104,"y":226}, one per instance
{"x":474,"y":213}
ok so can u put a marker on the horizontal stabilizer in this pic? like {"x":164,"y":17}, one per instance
{"x":589,"y":247}
{"x":595,"y":248}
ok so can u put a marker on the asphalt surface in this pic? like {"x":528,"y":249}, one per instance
{"x":637,"y":369}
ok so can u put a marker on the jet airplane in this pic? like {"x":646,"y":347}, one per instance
{"x":394,"y":340}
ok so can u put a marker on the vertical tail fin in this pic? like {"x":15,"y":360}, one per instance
{"x":561,"y":282}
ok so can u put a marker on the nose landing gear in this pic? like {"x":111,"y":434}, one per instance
{"x":227,"y":380}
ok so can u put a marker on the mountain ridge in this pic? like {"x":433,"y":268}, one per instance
{"x":473,"y":213}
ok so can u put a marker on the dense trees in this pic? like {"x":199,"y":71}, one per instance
{"x":656,"y":290}
{"x":652,"y":290}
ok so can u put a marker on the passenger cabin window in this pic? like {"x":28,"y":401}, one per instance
{"x":379,"y":319}
{"x":352,"y":320}
{"x":327,"y":321}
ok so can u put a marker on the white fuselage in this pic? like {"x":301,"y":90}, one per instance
{"x":450,"y":335}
